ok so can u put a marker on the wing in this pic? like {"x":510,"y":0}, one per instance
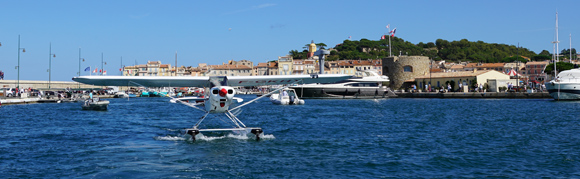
{"x":284,"y":79}
{"x":147,"y":81}
{"x":191,"y":81}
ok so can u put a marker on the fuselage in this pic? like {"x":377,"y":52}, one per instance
{"x":220,"y":99}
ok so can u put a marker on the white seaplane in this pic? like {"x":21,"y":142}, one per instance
{"x":221,"y":94}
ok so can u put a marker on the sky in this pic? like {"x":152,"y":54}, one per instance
{"x":133,"y":32}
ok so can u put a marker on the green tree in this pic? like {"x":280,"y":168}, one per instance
{"x":541,"y":57}
{"x":560,"y":66}
{"x":321,"y":45}
{"x":545,"y":53}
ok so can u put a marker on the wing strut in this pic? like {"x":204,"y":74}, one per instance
{"x":246,"y":103}
{"x":167,"y":95}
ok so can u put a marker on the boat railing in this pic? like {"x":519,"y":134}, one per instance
{"x":568,"y":80}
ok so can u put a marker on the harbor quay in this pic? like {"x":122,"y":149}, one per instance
{"x":509,"y":95}
{"x":44,"y":84}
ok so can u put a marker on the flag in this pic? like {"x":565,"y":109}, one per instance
{"x":382,"y":37}
{"x":96,"y":70}
{"x":101,"y":70}
{"x":105,"y":72}
{"x":120,"y":69}
{"x":388,"y":25}
{"x":88,"y":69}
{"x":393,"y":32}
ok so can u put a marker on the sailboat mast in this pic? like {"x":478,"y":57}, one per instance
{"x":556,"y":48}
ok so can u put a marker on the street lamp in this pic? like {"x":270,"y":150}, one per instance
{"x":50,"y":55}
{"x":102,"y":70}
{"x":23,"y":50}
{"x":80,"y":65}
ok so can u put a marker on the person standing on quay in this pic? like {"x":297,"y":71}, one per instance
{"x":1,"y":75}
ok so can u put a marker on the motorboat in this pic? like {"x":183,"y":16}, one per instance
{"x":121,"y":95}
{"x":95,"y":104}
{"x":189,"y":99}
{"x":365,"y":84}
{"x":199,"y":100}
{"x":286,"y":96}
{"x":566,"y":85}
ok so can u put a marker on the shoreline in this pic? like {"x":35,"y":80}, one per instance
{"x":496,"y":95}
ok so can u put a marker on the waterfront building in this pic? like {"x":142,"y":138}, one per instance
{"x":273,"y":68}
{"x":333,"y":67}
{"x":130,"y":71}
{"x":142,"y":70}
{"x":298,"y":66}
{"x":517,"y":66}
{"x":377,"y":65}
{"x":260,"y":69}
{"x":484,"y":66}
{"x":153,"y":68}
{"x":402,"y":70}
{"x":241,"y":62}
{"x":310,"y":66}
{"x":229,"y":70}
{"x":180,"y":71}
{"x":164,"y":70}
{"x":456,"y":68}
{"x":535,"y":71}
{"x":285,"y":65}
{"x":345,"y":67}
{"x":466,"y":78}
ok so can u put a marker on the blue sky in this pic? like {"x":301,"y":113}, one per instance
{"x":216,"y":31}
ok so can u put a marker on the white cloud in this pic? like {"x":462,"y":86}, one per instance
{"x":261,"y":6}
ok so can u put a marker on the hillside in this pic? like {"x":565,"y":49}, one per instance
{"x":462,"y":50}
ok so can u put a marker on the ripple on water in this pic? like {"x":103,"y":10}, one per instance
{"x":402,"y":138}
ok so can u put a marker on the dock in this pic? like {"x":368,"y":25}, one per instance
{"x":516,"y":95}
{"x":16,"y":100}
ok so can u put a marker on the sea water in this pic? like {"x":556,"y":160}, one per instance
{"x":401,"y":138}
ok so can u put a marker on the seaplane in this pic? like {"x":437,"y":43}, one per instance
{"x":220,"y":96}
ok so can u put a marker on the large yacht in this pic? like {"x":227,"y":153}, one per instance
{"x":365,"y":84}
{"x":566,"y":86}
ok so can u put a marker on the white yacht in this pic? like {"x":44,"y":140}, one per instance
{"x":365,"y":84}
{"x":566,"y":86}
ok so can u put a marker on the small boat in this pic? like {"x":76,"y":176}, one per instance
{"x":132,"y":95}
{"x":286,"y":96}
{"x":190,"y":99}
{"x":121,"y":95}
{"x":96,"y":104}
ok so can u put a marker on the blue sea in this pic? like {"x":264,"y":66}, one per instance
{"x":386,"y":138}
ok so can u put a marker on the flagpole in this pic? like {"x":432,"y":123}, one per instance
{"x":79,"y":66}
{"x":390,"y":54}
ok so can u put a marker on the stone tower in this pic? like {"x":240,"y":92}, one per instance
{"x":402,"y":68}
{"x":311,"y":49}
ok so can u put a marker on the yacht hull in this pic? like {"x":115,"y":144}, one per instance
{"x":564,"y":90}
{"x":341,"y":92}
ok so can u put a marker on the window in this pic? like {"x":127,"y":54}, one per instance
{"x":407,"y":69}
